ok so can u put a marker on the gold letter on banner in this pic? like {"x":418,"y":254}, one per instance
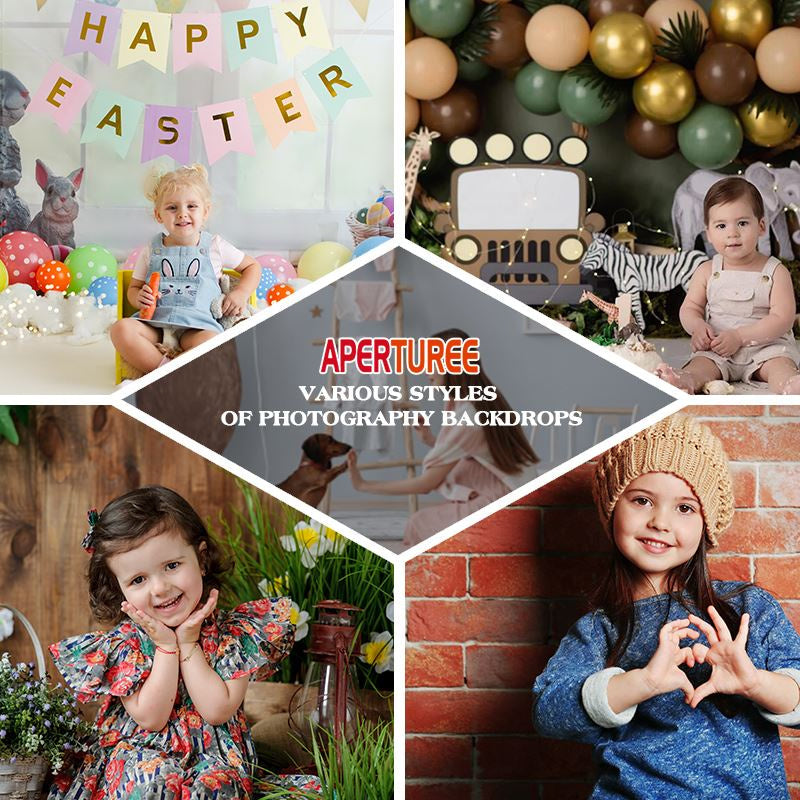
{"x":58,"y":91}
{"x":246,"y":33}
{"x":285,"y":106}
{"x":337,"y":78}
{"x":162,"y":126}
{"x":301,"y":24}
{"x":114,"y":119}
{"x":283,"y":109}
{"x":88,"y":25}
{"x":225,"y":127}
{"x":144,"y":36}
{"x":194,"y":35}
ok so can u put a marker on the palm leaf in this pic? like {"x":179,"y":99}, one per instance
{"x":684,"y":40}
{"x":765,"y":99}
{"x":532,"y":6}
{"x":612,"y":91}
{"x":472,"y":43}
{"x":785,"y":12}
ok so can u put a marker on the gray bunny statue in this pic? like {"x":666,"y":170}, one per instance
{"x":14,"y":99}
{"x":54,"y":223}
{"x":216,"y":306}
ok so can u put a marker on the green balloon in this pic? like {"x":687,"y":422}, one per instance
{"x":581,"y":102}
{"x":537,"y":89}
{"x":87,"y":263}
{"x":441,"y":18}
{"x":710,"y":137}
{"x":472,"y":70}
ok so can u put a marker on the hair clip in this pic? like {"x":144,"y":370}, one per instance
{"x":86,"y":544}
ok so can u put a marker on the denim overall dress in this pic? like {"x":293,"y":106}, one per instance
{"x":188,"y":285}
{"x":736,"y":298}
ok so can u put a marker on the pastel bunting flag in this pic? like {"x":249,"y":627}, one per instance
{"x":226,"y":129}
{"x":167,"y":132}
{"x":283,"y":109}
{"x":93,"y":29}
{"x":144,"y":36}
{"x":171,"y":6}
{"x":233,"y":5}
{"x":61,"y":95}
{"x":196,"y":41}
{"x":248,"y":34}
{"x":112,"y":118}
{"x":109,"y":2}
{"x":40,"y":4}
{"x":301,"y":24}
{"x":335,"y":80}
{"x":362,"y":7}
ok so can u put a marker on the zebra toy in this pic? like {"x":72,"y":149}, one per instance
{"x":635,"y":273}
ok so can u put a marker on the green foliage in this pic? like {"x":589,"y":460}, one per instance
{"x":331,"y":568}
{"x":36,"y":718}
{"x":362,"y":768}
{"x":420,"y":230}
{"x":612,"y":91}
{"x":683,"y":42}
{"x":471,"y":43}
{"x":8,"y":429}
{"x":785,"y":12}
{"x":532,"y":6}
{"x":765,"y":99}
{"x":586,"y":318}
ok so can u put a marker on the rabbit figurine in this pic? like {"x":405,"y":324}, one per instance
{"x":14,"y":99}
{"x":54,"y":223}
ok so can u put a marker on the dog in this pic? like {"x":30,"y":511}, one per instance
{"x":310,"y":480}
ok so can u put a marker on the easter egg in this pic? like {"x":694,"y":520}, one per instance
{"x":87,"y":263}
{"x":104,"y":291}
{"x":361,"y":215}
{"x":23,"y":252}
{"x":53,"y":276}
{"x":369,"y":244}
{"x":3,"y":276}
{"x":281,"y":268}
{"x":321,"y":258}
{"x":130,"y":261}
{"x":377,"y":213}
{"x":279,"y":292}
{"x":390,"y":221}
{"x":388,"y":201}
{"x":268,"y":280}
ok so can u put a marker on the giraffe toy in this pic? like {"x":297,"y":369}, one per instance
{"x":421,"y":150}
{"x":607,"y":308}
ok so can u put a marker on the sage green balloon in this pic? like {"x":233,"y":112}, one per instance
{"x":581,"y":102}
{"x":537,"y":89}
{"x":441,"y":18}
{"x":710,"y":137}
{"x":472,"y":71}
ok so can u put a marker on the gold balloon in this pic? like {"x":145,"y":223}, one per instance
{"x":767,"y":129}
{"x":621,"y":45}
{"x":665,"y":93}
{"x":744,"y":22}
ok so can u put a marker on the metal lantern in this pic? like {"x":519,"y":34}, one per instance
{"x":328,"y":699}
{"x":624,"y":236}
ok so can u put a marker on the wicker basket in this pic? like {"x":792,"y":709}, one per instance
{"x":23,"y":778}
{"x":361,"y":231}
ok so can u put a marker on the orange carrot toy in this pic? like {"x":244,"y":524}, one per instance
{"x":147,"y":313}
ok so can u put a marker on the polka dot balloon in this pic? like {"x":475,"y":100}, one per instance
{"x":53,"y":276}
{"x":279,"y":292}
{"x":281,"y":268}
{"x":23,"y":252}
{"x":268,"y":280}
{"x":104,"y":291}
{"x":87,"y":263}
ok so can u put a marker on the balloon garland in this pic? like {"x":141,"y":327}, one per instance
{"x":702,"y":84}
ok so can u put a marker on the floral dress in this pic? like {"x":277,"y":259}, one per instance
{"x":188,"y":758}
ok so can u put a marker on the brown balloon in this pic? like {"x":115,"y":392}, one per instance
{"x":602,"y":8}
{"x":506,"y":45}
{"x":649,"y":139}
{"x":457,"y":113}
{"x":726,"y":74}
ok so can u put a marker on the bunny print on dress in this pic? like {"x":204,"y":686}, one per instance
{"x":180,"y":290}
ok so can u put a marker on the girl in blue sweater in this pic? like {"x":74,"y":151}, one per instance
{"x":678,"y":681}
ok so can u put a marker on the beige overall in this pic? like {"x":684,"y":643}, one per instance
{"x":736,"y":298}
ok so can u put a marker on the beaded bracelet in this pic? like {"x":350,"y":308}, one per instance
{"x":168,"y":652}
{"x":191,"y":652}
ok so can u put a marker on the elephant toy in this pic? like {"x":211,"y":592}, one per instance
{"x":14,"y":99}
{"x":779,"y":188}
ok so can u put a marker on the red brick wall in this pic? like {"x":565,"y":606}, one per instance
{"x":487,"y":608}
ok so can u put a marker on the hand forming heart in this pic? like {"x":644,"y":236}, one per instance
{"x":662,"y":674}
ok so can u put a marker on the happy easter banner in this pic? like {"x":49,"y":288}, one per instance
{"x":196,"y":40}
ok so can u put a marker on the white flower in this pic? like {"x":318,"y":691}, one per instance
{"x":379,"y":651}
{"x":308,"y":539}
{"x":299,"y":619}
{"x":6,"y":623}
{"x":336,"y":542}
{"x":277,"y":587}
{"x":390,"y":611}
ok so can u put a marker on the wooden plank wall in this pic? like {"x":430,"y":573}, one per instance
{"x":72,"y":458}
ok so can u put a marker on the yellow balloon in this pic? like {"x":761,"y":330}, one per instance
{"x":321,"y":258}
{"x":621,"y":45}
{"x":665,"y":93}
{"x":744,"y":22}
{"x":3,"y":276}
{"x":767,"y":129}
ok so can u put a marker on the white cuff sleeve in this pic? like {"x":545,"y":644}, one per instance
{"x":595,"y":700}
{"x":790,"y":718}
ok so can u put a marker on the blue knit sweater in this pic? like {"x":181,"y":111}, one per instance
{"x":667,"y":749}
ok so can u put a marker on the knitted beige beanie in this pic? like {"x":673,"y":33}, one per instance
{"x":681,"y":446}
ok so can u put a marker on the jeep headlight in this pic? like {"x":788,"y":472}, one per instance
{"x":571,"y":249}
{"x":466,"y":249}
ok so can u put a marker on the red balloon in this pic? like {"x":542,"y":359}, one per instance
{"x":649,"y":139}
{"x":457,"y":113}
